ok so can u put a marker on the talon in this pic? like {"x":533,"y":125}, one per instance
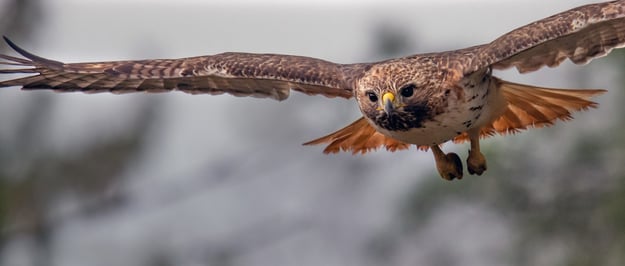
{"x":476,"y":163}
{"x":449,"y":165}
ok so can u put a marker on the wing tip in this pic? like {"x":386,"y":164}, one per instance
{"x":34,"y":58}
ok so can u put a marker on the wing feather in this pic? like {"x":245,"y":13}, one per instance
{"x":580,"y":34}
{"x":239,"y":74}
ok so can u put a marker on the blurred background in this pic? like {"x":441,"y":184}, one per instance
{"x":175,"y":179}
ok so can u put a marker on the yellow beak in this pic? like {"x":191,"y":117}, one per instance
{"x":387,"y":101}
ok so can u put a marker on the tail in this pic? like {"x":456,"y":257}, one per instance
{"x":358,"y":137}
{"x":535,"y":107}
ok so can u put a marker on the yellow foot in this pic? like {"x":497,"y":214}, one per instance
{"x":476,"y":163}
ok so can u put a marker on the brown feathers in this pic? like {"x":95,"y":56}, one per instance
{"x":580,"y":34}
{"x":240,"y":74}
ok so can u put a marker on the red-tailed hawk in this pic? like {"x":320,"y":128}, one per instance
{"x":423,"y":100}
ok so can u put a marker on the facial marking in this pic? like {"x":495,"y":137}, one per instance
{"x":401,"y":119}
{"x":406,"y":96}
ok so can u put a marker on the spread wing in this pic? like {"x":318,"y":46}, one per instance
{"x":580,"y":34}
{"x":239,"y":74}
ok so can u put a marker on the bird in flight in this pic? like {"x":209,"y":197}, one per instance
{"x":423,"y":100}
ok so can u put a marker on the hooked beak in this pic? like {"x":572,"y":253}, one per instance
{"x":387,"y":101}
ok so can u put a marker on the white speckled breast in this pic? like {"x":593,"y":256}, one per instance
{"x":472,"y":111}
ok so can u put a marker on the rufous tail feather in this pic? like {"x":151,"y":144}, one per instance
{"x":535,"y":107}
{"x":358,"y":137}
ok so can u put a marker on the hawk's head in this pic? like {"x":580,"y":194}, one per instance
{"x":398,"y":98}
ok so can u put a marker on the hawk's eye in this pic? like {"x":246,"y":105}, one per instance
{"x":407,"y":90}
{"x":372,"y":97}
